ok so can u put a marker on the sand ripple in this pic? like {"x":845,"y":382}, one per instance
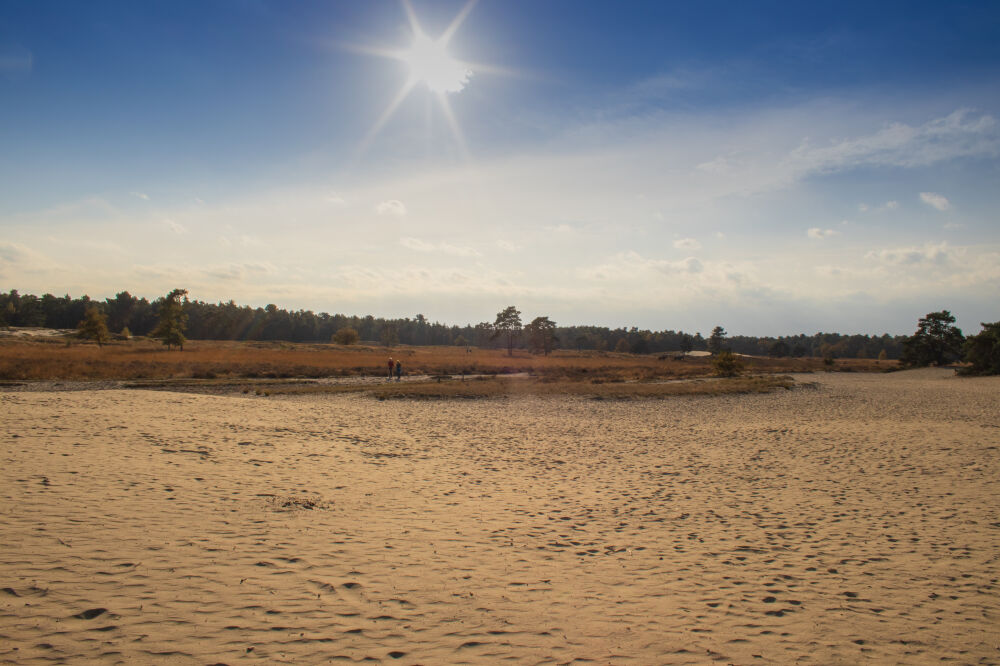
{"x":858,"y":522}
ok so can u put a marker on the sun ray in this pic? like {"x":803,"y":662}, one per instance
{"x":384,"y":118}
{"x":412,"y":16}
{"x":455,"y":129}
{"x":456,"y":23}
{"x":430,"y":65}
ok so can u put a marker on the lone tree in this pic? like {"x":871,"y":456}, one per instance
{"x":94,"y":326}
{"x":173,"y":321}
{"x":687,"y":343}
{"x":716,"y":340}
{"x":982,"y":351}
{"x":936,"y":341}
{"x":541,"y":334}
{"x":508,"y":326}
{"x":346,"y":336}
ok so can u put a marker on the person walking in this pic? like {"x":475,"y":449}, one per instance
{"x":391,"y":366}
{"x":399,"y":369}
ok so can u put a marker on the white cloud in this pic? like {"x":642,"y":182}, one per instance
{"x":687,"y":244}
{"x":958,"y":134}
{"x":458,"y":250}
{"x":928,"y":254}
{"x":863,"y":207}
{"x":175,"y":227}
{"x":819,"y":234}
{"x":391,"y":207}
{"x":952,"y":226}
{"x":338,"y":200}
{"x":507,"y":246}
{"x":891,"y":205}
{"x":935,"y":200}
{"x":239,"y":272}
{"x":417,"y":244}
{"x":141,"y":195}
{"x":719,"y":165}
{"x":445,"y":248}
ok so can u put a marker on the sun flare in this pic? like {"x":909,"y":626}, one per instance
{"x":431,"y":64}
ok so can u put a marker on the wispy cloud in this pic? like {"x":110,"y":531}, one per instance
{"x":959,"y":134}
{"x":928,"y":254}
{"x":141,"y":195}
{"x":819,"y":234}
{"x":687,"y":244}
{"x":935,"y":200}
{"x":175,"y":227}
{"x":444,"y":248}
{"x":391,"y":207}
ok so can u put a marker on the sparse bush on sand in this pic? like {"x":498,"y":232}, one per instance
{"x":727,"y":364}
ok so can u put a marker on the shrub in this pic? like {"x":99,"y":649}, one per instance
{"x":727,"y":364}
{"x":346,"y":336}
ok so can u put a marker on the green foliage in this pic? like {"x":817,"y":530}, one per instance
{"x":778,"y":350}
{"x":94,"y":326}
{"x":622,"y":346}
{"x":508,"y":326}
{"x":460,"y":341}
{"x":541,"y":334}
{"x":727,"y":364}
{"x":936,"y":341}
{"x":716,"y":340}
{"x":346,"y":336}
{"x":172,"y":320}
{"x":982,"y":351}
{"x":126,"y":334}
{"x":390,"y":335}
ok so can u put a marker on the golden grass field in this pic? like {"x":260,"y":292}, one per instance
{"x":145,"y":359}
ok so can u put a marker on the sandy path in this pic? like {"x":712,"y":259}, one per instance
{"x":859,"y":522}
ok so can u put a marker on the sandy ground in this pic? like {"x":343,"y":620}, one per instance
{"x":855,"y":523}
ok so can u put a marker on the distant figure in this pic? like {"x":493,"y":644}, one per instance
{"x":391,"y":366}
{"x":399,"y":369}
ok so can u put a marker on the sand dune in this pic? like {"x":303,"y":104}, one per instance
{"x":857,"y":522}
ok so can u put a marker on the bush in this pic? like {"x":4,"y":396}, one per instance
{"x":346,"y":336}
{"x":982,"y":351}
{"x":727,"y":364}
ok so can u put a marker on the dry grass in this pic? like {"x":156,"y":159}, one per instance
{"x":145,"y":359}
{"x":482,"y":387}
{"x":497,"y":388}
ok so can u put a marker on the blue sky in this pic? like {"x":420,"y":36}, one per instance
{"x":770,"y":167}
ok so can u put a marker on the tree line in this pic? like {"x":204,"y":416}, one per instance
{"x":229,"y":321}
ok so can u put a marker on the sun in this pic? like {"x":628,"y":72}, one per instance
{"x":431,"y":64}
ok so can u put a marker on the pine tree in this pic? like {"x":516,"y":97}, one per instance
{"x":508,"y":326}
{"x":173,"y":321}
{"x":94,"y":326}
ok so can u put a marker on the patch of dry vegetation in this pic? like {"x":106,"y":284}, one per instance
{"x":55,"y":359}
{"x":498,"y":388}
